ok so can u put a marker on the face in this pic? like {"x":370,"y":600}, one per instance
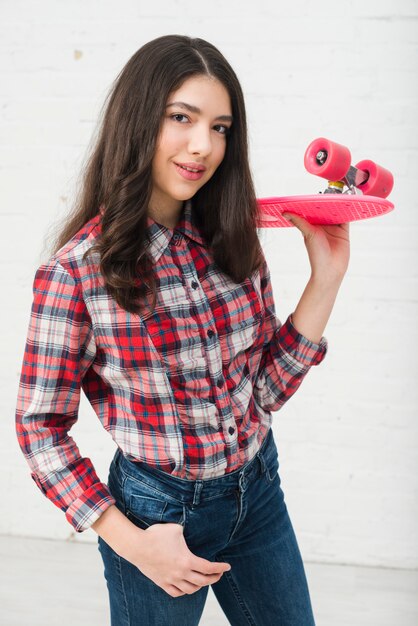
{"x":193,"y":135}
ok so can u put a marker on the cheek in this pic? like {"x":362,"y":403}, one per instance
{"x":171,"y":140}
{"x":220,"y":152}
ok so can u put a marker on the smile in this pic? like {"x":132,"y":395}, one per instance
{"x":189,"y":169}
{"x":188,"y":173}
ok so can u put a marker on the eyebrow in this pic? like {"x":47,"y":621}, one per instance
{"x":194,"y":109}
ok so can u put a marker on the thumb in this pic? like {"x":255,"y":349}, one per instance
{"x":303,"y":225}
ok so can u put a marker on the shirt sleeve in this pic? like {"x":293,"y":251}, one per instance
{"x":287,"y":355}
{"x":59,"y":349}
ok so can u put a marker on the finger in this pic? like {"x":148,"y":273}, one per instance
{"x":303,"y":225}
{"x":188,"y":587}
{"x":209,"y":567}
{"x":173,"y":591}
{"x":203,"y":579}
{"x":341,"y":231}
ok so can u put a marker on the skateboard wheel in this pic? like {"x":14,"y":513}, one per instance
{"x":327,"y":159}
{"x":379,"y":182}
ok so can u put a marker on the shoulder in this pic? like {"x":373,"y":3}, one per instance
{"x":69,"y":259}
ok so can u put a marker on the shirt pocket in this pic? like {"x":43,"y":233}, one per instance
{"x":173,"y":331}
{"x":238,"y":312}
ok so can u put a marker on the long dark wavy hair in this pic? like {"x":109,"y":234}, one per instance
{"x":118,"y":172}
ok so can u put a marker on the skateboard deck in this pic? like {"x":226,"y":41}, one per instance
{"x":320,"y":209}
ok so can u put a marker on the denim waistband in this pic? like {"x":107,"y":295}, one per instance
{"x":207,"y":488}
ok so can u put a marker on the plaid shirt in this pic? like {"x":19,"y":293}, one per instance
{"x":188,"y":390}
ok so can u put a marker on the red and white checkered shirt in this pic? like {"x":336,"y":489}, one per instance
{"x":188,"y":390}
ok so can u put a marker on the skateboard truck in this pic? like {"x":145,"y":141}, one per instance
{"x":353,"y":178}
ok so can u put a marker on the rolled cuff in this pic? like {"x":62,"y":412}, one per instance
{"x":303,"y":350}
{"x":84,"y":511}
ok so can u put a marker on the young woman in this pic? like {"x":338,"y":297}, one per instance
{"x":157,"y":302}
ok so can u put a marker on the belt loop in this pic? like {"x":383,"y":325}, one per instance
{"x":197,"y":489}
{"x":262,"y":462}
{"x":241,"y":482}
{"x":117,"y":457}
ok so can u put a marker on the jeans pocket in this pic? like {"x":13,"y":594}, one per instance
{"x":145,"y":506}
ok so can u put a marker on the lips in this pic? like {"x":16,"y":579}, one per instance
{"x":187,"y":174}
{"x":193,"y":166}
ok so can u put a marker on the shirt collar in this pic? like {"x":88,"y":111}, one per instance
{"x":159,"y":236}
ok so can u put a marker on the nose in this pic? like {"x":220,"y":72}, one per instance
{"x":200,"y":141}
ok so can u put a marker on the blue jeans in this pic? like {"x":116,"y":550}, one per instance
{"x":240,"y":518}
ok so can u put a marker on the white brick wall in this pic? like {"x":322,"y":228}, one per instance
{"x":347,"y":441}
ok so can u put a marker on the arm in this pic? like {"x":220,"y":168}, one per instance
{"x":328,"y":248}
{"x":119,"y":532}
{"x":314,"y":308}
{"x":59,"y":350}
{"x":287,"y":354}
{"x":292,"y":348}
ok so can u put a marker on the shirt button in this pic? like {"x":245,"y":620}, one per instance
{"x":220,"y":382}
{"x":210,"y":333}
{"x":195,"y":285}
{"x":231,"y":430}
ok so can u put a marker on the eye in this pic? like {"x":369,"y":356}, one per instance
{"x":225,"y":129}
{"x":176,"y":115}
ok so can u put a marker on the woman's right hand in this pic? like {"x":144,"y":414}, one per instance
{"x":163,"y":556}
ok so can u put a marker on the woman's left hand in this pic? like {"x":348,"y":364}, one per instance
{"x":328,"y":247}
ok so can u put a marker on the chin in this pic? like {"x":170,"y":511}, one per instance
{"x":185,"y":196}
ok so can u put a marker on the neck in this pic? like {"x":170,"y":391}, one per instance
{"x":167,"y":218}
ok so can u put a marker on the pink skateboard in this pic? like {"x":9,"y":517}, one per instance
{"x":367,"y":185}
